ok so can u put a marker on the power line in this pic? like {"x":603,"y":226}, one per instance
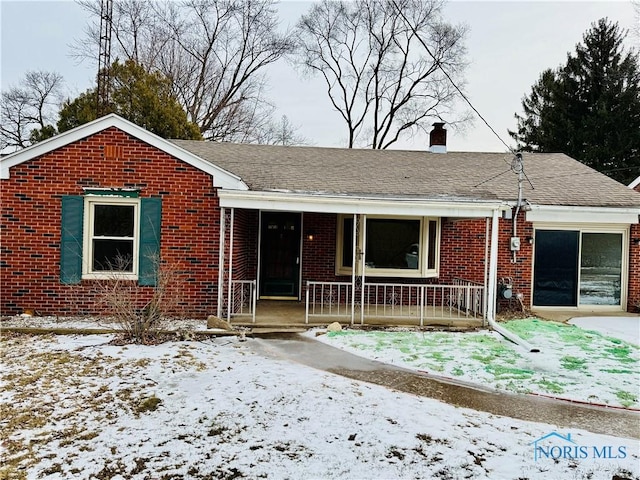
{"x":489,"y":179}
{"x":437,"y":62}
{"x":594,"y":172}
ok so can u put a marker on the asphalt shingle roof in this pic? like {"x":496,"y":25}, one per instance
{"x":557,"y":179}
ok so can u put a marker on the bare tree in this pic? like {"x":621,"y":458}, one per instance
{"x":379,"y":77}
{"x":636,"y":23}
{"x":28,"y":111}
{"x":282,"y":132}
{"x":137,"y":33}
{"x":214,"y":52}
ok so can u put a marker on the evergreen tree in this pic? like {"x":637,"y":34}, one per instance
{"x":141,"y":97}
{"x":590,"y":107}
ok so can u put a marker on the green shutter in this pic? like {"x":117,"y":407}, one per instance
{"x":71,"y":239}
{"x":150,"y":215}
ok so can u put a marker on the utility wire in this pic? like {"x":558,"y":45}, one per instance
{"x":489,"y":179}
{"x":437,"y":62}
{"x":594,"y":172}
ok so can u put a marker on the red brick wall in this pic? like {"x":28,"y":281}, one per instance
{"x":318,"y":255}
{"x":634,"y":267}
{"x":31,"y":215}
{"x":462,"y":250}
{"x":520,"y":271}
{"x":245,"y":244}
{"x":633,"y":300}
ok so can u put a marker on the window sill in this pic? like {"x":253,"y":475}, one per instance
{"x":110,"y":276}
{"x":374,"y":272}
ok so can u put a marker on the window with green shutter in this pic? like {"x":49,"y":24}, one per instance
{"x":106,"y":235}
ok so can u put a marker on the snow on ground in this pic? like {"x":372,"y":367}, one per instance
{"x":77,"y":407}
{"x":89,"y":323}
{"x":623,"y":328}
{"x":573,"y":363}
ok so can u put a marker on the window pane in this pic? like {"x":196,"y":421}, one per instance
{"x":556,"y":268}
{"x":393,"y":244}
{"x":113,"y":255}
{"x":347,"y":242}
{"x":433,"y":236}
{"x":113,"y":220}
{"x":601,"y":269}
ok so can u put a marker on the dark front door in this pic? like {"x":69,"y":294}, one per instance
{"x":555,"y":273}
{"x":280,"y":255}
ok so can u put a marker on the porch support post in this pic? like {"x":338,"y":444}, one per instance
{"x":354,"y":265}
{"x":486,"y":270}
{"x":363,"y":257}
{"x":493,"y":268}
{"x":221,"y":261}
{"x":229,"y":287}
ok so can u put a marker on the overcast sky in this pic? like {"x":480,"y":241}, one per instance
{"x":509,"y":45}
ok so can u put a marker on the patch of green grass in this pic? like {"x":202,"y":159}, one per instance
{"x":490,"y":358}
{"x":502,"y":372}
{"x":528,"y":328}
{"x":550,"y":386}
{"x":441,"y":356}
{"x":626,"y":398}
{"x":620,"y":351}
{"x":573,"y":363}
{"x":339,"y":334}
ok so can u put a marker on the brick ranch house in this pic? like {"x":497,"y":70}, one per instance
{"x":350,"y":234}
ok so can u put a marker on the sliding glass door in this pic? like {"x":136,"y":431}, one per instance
{"x":574,"y":268}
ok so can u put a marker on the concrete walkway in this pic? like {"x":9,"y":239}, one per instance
{"x":293,"y":347}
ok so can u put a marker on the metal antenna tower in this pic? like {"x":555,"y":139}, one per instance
{"x":104,"y":57}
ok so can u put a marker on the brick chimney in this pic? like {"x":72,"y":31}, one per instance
{"x":438,"y":138}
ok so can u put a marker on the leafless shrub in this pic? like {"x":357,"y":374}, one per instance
{"x":142,"y":319}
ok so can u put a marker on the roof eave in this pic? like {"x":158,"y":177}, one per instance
{"x":583,"y":214}
{"x":351,"y":204}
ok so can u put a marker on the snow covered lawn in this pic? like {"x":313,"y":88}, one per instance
{"x":573,"y":363}
{"x":76,"y":407}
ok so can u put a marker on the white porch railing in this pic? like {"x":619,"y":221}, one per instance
{"x":472,"y":299}
{"x":328,"y":299}
{"x":243,"y":299}
{"x":461,"y":300}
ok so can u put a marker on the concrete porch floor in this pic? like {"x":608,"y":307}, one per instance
{"x":291,"y":314}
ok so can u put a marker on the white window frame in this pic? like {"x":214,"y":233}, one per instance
{"x":421,"y":272}
{"x":90,"y":201}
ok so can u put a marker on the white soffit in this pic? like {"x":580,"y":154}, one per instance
{"x":563,"y":214}
{"x":360,"y":205}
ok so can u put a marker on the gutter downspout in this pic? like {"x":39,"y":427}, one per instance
{"x":493,"y":285}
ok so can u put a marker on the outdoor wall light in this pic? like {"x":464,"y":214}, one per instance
{"x":310,"y":235}
{"x":636,"y":241}
{"x":530,"y":240}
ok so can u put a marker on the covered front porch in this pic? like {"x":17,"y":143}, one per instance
{"x":306,"y":260}
{"x":460,"y":305}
